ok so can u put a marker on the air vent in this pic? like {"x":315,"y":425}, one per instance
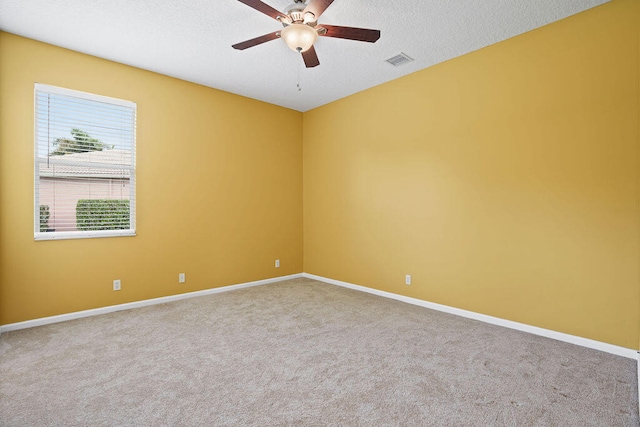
{"x":400,"y":59}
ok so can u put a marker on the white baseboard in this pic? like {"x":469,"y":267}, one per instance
{"x":584,"y":342}
{"x":560,"y":336}
{"x":137,"y":304}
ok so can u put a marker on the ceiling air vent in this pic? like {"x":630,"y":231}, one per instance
{"x":399,"y":59}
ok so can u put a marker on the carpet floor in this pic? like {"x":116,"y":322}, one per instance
{"x":304,"y":353}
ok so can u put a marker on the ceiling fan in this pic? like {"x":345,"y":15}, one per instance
{"x":301,"y":29}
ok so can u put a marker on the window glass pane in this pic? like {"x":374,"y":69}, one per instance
{"x":84,"y":165}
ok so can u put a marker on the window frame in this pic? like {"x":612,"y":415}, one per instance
{"x":83,"y":234}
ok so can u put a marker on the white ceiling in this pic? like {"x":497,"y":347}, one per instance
{"x":191,"y":40}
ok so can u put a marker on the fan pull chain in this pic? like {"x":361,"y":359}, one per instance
{"x":298,"y":78}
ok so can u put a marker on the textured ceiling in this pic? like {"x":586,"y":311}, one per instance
{"x":191,"y":40}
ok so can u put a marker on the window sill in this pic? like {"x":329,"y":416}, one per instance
{"x":65,"y":235}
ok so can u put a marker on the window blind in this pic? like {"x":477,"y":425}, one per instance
{"x":84,"y":165}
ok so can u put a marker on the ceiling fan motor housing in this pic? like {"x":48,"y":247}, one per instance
{"x":298,"y":6}
{"x":297,"y":14}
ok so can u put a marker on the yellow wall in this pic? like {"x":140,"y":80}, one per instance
{"x":504,"y":181}
{"x":219,"y":191}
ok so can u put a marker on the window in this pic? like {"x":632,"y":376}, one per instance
{"x":85,"y":176}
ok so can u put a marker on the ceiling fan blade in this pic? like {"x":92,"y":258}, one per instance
{"x":317,"y":7}
{"x":263,"y":7}
{"x":310,"y":58}
{"x":351,"y":33}
{"x":258,"y":40}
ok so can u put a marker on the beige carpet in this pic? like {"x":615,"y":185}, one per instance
{"x":304,"y":353}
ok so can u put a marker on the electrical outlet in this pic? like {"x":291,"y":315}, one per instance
{"x":181,"y":278}
{"x":277,"y":263}
{"x":116,"y":285}
{"x":407,"y":279}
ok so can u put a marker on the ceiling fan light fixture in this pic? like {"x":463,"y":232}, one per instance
{"x":299,"y":37}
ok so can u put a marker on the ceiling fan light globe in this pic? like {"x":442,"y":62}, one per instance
{"x":299,"y":37}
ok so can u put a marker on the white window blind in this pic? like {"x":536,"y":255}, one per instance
{"x":84,"y":165}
